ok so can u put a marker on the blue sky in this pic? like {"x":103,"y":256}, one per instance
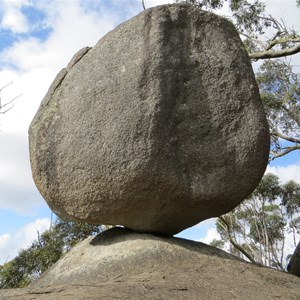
{"x":37,"y":39}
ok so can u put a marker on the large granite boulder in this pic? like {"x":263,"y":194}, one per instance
{"x":120,"y":264}
{"x":157,"y":127}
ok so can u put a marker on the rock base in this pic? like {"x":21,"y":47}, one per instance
{"x":121,"y":264}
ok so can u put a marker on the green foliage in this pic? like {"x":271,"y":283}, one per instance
{"x":217,"y":243}
{"x":10,"y":276}
{"x":208,"y":4}
{"x":245,"y":14}
{"x":291,"y":197}
{"x":268,"y":189}
{"x":280,"y":86}
{"x":280,"y":92}
{"x":252,"y":21}
{"x":258,"y":227}
{"x":50,"y":246}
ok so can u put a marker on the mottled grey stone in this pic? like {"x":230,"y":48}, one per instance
{"x":120,"y":252}
{"x":121,"y":264}
{"x":294,"y":263}
{"x":157,"y":127}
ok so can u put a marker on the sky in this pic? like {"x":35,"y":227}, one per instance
{"x":37,"y":39}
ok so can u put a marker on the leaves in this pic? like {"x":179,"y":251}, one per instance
{"x":247,"y":16}
{"x":36,"y":259}
{"x":268,"y":189}
{"x":208,"y":4}
{"x":280,"y":92}
{"x":291,"y":197}
{"x":257,"y":228}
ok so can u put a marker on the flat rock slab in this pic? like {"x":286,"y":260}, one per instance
{"x":157,"y":127}
{"x":120,"y":264}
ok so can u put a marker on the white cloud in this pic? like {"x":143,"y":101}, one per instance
{"x":206,"y":224}
{"x":32,"y":63}
{"x":72,"y":28}
{"x":13,"y":19}
{"x":151,"y":3}
{"x":286,"y":173}
{"x":35,"y":64}
{"x":211,"y":234}
{"x":4,"y":240}
{"x":12,"y":243}
{"x":208,"y":231}
{"x":17,"y":190}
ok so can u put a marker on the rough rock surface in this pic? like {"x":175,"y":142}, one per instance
{"x":294,"y":264}
{"x":119,"y":264}
{"x":157,"y":127}
{"x":120,"y":252}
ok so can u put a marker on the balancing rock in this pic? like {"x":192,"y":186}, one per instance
{"x":157,"y":127}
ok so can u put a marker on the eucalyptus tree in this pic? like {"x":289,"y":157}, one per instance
{"x":30,"y":263}
{"x":261,"y":227}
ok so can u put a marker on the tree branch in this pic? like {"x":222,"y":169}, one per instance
{"x":5,"y":111}
{"x":2,"y":88}
{"x":143,"y":3}
{"x":254,"y":39}
{"x":287,"y":138}
{"x":275,"y":54}
{"x":6,"y":104}
{"x":292,"y":115}
{"x":282,"y":41}
{"x":280,"y":27}
{"x":284,"y":152}
{"x":234,"y":244}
